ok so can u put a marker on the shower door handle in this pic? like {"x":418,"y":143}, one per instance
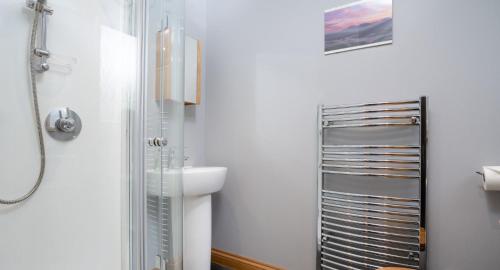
{"x":157,"y":141}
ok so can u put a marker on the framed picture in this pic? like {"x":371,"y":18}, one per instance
{"x":358,"y":25}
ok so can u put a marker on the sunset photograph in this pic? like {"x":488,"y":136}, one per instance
{"x":358,"y":25}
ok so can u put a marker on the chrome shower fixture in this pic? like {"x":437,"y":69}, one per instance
{"x":63,"y":124}
{"x":41,"y":53}
{"x":38,"y":63}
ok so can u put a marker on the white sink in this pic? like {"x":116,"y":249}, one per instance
{"x":203,"y":180}
{"x":196,"y":181}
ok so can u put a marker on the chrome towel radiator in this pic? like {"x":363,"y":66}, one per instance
{"x":372,"y":185}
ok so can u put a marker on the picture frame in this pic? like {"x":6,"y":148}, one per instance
{"x":358,"y":25}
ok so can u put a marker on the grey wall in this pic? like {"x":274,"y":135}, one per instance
{"x":266,"y":74}
{"x":194,"y":124}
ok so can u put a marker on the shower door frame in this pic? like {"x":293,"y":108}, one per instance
{"x":136,"y":151}
{"x":134,"y":248}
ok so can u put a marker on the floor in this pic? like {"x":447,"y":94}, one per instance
{"x":218,"y":267}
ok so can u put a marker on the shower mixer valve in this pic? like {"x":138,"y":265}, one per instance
{"x":63,"y":124}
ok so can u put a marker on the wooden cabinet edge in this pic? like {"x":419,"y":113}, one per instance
{"x":199,"y":74}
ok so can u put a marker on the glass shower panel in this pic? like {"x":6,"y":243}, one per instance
{"x":163,"y":85}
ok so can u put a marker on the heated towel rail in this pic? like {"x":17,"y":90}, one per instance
{"x":372,"y":185}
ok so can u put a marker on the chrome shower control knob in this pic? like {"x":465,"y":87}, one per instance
{"x":66,"y":124}
{"x":63,"y":124}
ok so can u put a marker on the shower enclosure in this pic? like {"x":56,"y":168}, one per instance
{"x":111,"y":198}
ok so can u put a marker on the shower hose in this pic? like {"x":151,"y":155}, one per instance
{"x":37,"y":115}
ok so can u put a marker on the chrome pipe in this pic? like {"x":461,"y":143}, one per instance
{"x":372,"y":125}
{"x":394,"y":154}
{"x":372,"y":238}
{"x":385,"y":168}
{"x":319,"y":176}
{"x":373,"y":146}
{"x":387,"y":175}
{"x":385,"y":212}
{"x":42,"y":10}
{"x":371,"y":196}
{"x":328,"y":267}
{"x":394,"y":220}
{"x":350,"y":261}
{"x":402,"y":109}
{"x":364,"y":223}
{"x":398,"y":206}
{"x":398,"y":161}
{"x":376,"y":260}
{"x":372,"y":231}
{"x":43,"y":37}
{"x":376,"y":253}
{"x":404,"y":102}
{"x":337,"y":264}
{"x":411,"y":117}
{"x":350,"y":241}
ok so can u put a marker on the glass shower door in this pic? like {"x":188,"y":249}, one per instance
{"x":159,"y":235}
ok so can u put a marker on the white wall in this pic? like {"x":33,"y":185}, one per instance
{"x":74,"y":220}
{"x":194,"y":121}
{"x":266,"y":75}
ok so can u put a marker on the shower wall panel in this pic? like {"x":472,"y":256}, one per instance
{"x":73,"y":221}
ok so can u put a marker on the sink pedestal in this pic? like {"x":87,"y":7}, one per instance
{"x":197,"y":232}
{"x":198,"y":185}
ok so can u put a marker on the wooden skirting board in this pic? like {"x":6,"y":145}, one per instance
{"x":236,"y":262}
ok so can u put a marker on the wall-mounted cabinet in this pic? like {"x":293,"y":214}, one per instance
{"x":192,"y":83}
{"x":192,"y":69}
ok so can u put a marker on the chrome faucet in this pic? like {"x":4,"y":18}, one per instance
{"x":40,"y":6}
